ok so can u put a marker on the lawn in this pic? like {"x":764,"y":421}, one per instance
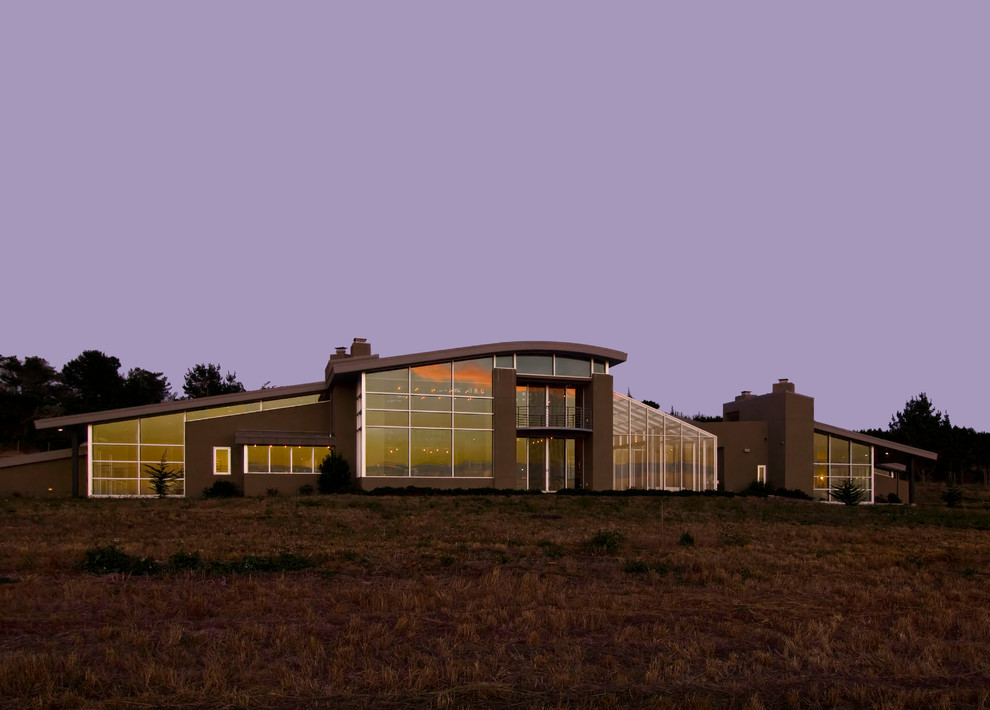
{"x":507,"y":601}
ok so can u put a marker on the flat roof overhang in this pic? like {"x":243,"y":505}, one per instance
{"x":875,"y":441}
{"x":347,"y":368}
{"x":180,"y":405}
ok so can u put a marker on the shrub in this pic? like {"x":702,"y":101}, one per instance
{"x":183,"y":560}
{"x":757,"y":489}
{"x":162,"y":476}
{"x":110,"y":559}
{"x":687,"y":539}
{"x":733,"y":538}
{"x":847,"y":492}
{"x":335,"y":474}
{"x":551,"y":549}
{"x":606,"y":542}
{"x":952,"y":495}
{"x":792,"y":493}
{"x":222,"y":489}
{"x":893,"y":499}
{"x":271,"y":492}
{"x":306,"y":489}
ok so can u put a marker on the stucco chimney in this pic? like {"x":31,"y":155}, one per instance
{"x":360,"y":347}
{"x":783,"y":385}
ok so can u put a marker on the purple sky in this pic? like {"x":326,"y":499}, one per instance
{"x":770,"y":189}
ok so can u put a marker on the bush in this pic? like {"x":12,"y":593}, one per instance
{"x":893,"y":499}
{"x":606,"y":542}
{"x":687,"y":539}
{"x":730,"y":537}
{"x":222,"y":489}
{"x":757,"y":489}
{"x":110,"y":559}
{"x":952,"y":495}
{"x":847,"y":492}
{"x":306,"y":489}
{"x":183,"y":560}
{"x":335,"y":474}
{"x":271,"y":492}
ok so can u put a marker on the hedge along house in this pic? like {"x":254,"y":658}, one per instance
{"x":773,"y":438}
{"x":529,"y":415}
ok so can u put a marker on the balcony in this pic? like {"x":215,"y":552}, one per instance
{"x":553,"y":418}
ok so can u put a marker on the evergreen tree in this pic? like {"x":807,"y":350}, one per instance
{"x":205,"y":380}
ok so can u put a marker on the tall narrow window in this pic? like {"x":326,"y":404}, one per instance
{"x":221,"y":460}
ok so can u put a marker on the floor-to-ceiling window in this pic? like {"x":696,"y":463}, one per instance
{"x":428,"y":421}
{"x":547,"y":463}
{"x":837,"y":460}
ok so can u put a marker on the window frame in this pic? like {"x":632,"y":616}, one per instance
{"x":230,"y":461}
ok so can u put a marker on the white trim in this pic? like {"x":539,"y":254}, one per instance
{"x":89,"y":460}
{"x":230,"y":461}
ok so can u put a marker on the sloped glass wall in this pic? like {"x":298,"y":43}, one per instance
{"x":656,"y":451}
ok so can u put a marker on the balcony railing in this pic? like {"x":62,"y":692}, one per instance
{"x":553,"y":417}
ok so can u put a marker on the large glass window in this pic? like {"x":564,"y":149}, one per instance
{"x":838,"y":460}
{"x":441,"y":428}
{"x":123,"y":454}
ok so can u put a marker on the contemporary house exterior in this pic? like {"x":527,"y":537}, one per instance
{"x":525,"y":415}
{"x":531,"y":415}
{"x":774,"y":439}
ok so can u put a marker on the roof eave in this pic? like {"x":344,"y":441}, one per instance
{"x":180,"y":405}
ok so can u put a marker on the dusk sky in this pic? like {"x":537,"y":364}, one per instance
{"x":729,"y":192}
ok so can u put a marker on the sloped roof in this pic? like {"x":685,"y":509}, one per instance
{"x":180,"y":405}
{"x":875,"y":441}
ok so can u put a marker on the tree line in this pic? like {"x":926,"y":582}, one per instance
{"x":30,"y":388}
{"x":963,"y":452}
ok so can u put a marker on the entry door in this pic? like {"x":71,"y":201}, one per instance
{"x":551,"y":463}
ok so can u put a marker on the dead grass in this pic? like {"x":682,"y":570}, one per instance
{"x":473,"y":601}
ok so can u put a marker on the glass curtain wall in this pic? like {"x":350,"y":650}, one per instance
{"x":652,"y":450}
{"x":123,"y":453}
{"x":836,"y":460}
{"x":428,"y":421}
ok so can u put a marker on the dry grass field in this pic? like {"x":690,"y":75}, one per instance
{"x":523,"y":601}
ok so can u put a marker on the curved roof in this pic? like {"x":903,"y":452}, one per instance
{"x":356,"y":365}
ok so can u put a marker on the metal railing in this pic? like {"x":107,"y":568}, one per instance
{"x":544,"y":417}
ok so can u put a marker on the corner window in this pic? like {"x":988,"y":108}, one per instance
{"x":221,"y":460}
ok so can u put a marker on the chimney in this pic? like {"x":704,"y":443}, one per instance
{"x":360,"y":348}
{"x":746,"y":394}
{"x":783,"y":385}
{"x":340,"y":354}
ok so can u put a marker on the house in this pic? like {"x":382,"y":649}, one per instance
{"x":525,"y":415}
{"x":528,"y":415}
